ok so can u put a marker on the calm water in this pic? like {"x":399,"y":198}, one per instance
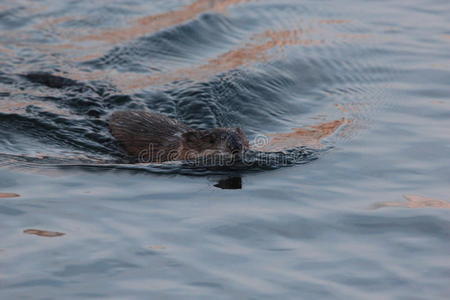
{"x":368,"y":219}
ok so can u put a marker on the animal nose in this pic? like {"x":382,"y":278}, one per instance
{"x":234,"y":144}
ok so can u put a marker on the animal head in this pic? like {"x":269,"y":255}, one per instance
{"x":218,"y":140}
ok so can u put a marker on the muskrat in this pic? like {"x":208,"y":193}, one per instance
{"x":153,"y":137}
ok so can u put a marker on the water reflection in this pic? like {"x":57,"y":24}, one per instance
{"x":415,"y":201}
{"x":43,"y":233}
{"x":311,"y":136}
{"x":9,"y":195}
{"x":268,"y":67}
{"x":255,"y":51}
{"x":153,"y":23}
{"x":230,"y":183}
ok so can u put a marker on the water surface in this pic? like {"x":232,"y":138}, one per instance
{"x":365,"y":83}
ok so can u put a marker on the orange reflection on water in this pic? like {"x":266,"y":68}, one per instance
{"x":3,"y":49}
{"x":157,"y":247}
{"x":256,"y":50}
{"x":43,"y":233}
{"x":59,"y":47}
{"x":136,"y":28}
{"x":251,"y":53}
{"x":20,"y":107}
{"x":311,"y":136}
{"x":353,"y":107}
{"x":438,"y":102}
{"x":153,"y":23}
{"x":140,"y":27}
{"x":248,"y":54}
{"x":9,"y":195}
{"x":49,"y":22}
{"x":355,"y":36}
{"x":416,"y":201}
{"x":283,"y":35}
{"x":334,"y":21}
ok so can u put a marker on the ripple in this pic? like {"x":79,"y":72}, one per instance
{"x":208,"y":65}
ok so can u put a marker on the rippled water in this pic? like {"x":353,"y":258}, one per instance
{"x":359,"y":87}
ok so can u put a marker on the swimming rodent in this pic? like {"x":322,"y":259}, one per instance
{"x":153,"y":137}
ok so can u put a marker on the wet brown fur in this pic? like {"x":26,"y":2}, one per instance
{"x":153,"y":137}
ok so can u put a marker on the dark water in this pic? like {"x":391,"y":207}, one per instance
{"x":363,"y":216}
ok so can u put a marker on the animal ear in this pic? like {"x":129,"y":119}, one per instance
{"x":239,"y":130}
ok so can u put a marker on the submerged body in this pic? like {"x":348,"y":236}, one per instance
{"x":153,"y":137}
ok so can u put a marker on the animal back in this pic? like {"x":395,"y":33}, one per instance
{"x":145,"y":135}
